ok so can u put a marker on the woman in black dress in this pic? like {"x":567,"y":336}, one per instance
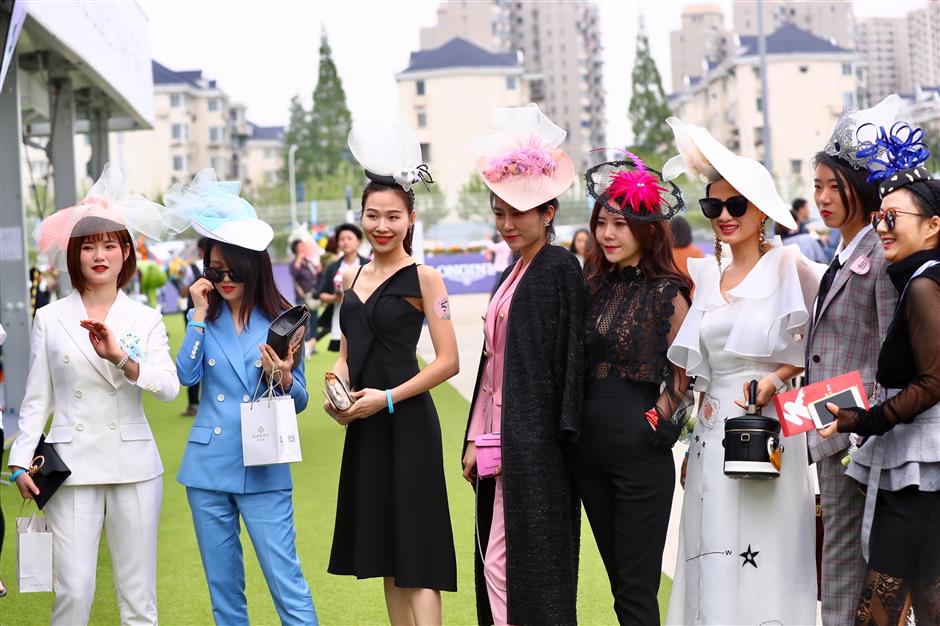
{"x":392,"y":518}
{"x":632,"y":415}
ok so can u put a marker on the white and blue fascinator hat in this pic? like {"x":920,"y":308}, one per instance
{"x":214,"y":209}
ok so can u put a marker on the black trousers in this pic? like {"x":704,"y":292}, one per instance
{"x":626,"y":486}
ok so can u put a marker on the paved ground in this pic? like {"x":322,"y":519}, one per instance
{"x":468,"y":313}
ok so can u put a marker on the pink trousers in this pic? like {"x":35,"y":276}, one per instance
{"x":494,"y":565}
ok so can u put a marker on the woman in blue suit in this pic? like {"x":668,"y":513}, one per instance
{"x":224,"y":349}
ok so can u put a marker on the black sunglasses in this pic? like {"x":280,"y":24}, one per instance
{"x":215,"y":275}
{"x":890,"y":216}
{"x":711,"y":207}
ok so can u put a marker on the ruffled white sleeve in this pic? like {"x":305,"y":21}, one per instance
{"x":778,"y":295}
{"x":687,"y":350}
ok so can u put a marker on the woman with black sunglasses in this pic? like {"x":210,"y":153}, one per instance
{"x":225,"y":349}
{"x":746,"y":547}
{"x":899,"y":461}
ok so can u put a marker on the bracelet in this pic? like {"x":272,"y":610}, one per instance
{"x":120,"y":364}
{"x":16,"y":474}
{"x":779,"y":385}
{"x":201,"y":325}
{"x":388,"y":396}
{"x":686,"y":454}
{"x":652,"y":416}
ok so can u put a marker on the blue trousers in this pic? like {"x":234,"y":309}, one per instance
{"x":269,"y":518}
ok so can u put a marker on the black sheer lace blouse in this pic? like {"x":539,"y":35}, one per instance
{"x":910,"y":355}
{"x":630,"y":324}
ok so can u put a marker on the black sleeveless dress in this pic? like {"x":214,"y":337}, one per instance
{"x":392,"y":517}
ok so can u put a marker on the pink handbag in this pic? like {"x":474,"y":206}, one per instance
{"x":489,"y":454}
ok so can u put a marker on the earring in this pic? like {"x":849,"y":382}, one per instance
{"x":547,"y":223}
{"x":762,"y":244}
{"x":718,"y":251}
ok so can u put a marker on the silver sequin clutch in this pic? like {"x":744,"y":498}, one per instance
{"x":336,"y":391}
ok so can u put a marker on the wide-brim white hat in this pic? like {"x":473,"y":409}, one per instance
{"x":702,"y":156}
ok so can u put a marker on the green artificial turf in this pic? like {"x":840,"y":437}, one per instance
{"x":182,"y":594}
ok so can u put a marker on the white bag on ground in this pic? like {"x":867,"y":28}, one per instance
{"x":33,"y":554}
{"x":269,"y":431}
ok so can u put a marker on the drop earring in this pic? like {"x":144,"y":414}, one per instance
{"x":718,"y":251}
{"x":762,"y":244}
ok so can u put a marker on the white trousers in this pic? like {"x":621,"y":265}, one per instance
{"x":130,"y":514}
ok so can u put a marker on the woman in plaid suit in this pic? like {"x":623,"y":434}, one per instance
{"x":899,"y":461}
{"x":851,"y":317}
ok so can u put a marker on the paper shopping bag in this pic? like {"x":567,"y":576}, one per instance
{"x":269,"y":431}
{"x":33,"y":554}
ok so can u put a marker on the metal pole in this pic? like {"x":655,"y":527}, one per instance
{"x":293,"y":185}
{"x":762,"y":54}
{"x":15,"y":306}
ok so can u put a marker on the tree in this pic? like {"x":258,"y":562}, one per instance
{"x":296,"y":134}
{"x":649,"y":107}
{"x":473,"y":201}
{"x":329,"y":121}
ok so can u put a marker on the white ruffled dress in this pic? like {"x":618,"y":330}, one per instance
{"x":746,"y":547}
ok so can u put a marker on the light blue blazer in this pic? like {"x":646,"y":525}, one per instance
{"x":229,"y":367}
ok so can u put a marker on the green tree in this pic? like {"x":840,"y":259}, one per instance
{"x":329,"y":121}
{"x":296,"y":134}
{"x":649,"y":106}
{"x":473,"y":201}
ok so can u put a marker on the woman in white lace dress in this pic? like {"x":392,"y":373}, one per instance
{"x":746,"y":547}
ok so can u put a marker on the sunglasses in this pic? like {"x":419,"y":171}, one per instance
{"x":215,"y":275}
{"x":711,"y":207}
{"x":890,"y":216}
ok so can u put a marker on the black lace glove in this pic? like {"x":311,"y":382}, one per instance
{"x":865,"y":422}
{"x":666,"y":433}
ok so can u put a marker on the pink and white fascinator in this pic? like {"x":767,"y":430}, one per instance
{"x":106,"y":207}
{"x":520,"y":161}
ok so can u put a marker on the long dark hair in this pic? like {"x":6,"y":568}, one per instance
{"x":255,"y":269}
{"x":408,"y":197}
{"x":864,"y":193}
{"x":656,"y":262}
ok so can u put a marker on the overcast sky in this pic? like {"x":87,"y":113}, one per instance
{"x":263,"y":53}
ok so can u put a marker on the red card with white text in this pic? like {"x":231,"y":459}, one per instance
{"x":804,"y":408}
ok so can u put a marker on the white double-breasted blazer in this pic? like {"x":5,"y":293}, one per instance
{"x":98,"y":425}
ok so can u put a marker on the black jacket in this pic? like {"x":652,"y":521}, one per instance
{"x":541,"y":411}
{"x":326,"y":286}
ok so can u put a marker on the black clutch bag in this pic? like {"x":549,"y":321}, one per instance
{"x":48,"y":471}
{"x":287,"y":332}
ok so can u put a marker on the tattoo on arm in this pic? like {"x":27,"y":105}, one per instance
{"x":442,"y":308}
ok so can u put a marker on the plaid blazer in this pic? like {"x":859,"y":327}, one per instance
{"x":852,"y":324}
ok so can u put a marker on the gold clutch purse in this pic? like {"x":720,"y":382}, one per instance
{"x":336,"y":391}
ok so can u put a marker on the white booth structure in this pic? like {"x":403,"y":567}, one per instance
{"x":68,"y":68}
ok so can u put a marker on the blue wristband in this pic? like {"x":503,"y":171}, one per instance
{"x":388,"y":396}
{"x":201,"y":325}
{"x":16,"y":474}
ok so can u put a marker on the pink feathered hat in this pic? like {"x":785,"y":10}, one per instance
{"x":520,"y":161}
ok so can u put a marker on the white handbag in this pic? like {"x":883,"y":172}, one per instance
{"x":33,"y":554}
{"x":269,"y":429}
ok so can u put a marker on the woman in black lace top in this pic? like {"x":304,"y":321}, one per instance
{"x":637,"y":301}
{"x":900,"y":458}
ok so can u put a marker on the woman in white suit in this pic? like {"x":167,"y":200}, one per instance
{"x":92,"y":355}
